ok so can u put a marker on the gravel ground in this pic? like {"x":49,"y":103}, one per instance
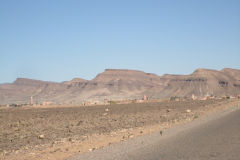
{"x":24,"y":128}
{"x":216,"y":137}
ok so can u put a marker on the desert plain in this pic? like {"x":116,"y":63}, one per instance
{"x":59,"y":132}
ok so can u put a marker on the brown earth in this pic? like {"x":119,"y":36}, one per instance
{"x":57,"y":133}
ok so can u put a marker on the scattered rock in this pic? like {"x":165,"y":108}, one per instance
{"x":16,"y":129}
{"x":21,"y":137}
{"x":41,"y":136}
{"x":114,"y":133}
{"x":5,"y":152}
{"x":54,"y":142}
{"x":91,"y":149}
{"x":79,"y":123}
{"x":195,"y":117}
{"x":56,"y":150}
{"x":130,"y":136}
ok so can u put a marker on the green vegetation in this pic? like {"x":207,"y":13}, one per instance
{"x":112,"y":102}
{"x":174,"y":98}
{"x":134,"y":101}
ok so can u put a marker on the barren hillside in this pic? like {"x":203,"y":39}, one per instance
{"x":124,"y":84}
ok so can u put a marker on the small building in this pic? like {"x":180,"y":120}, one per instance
{"x":47,"y":103}
{"x":145,"y":98}
{"x":31,"y":100}
{"x":106,"y":102}
{"x":194,"y":97}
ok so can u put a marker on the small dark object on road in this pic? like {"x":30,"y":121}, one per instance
{"x":161,"y":132}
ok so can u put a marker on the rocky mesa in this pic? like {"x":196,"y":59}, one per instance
{"x":118,"y":84}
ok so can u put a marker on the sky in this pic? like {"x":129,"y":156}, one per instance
{"x":57,"y":40}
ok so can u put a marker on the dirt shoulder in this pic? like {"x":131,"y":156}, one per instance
{"x":58,"y":133}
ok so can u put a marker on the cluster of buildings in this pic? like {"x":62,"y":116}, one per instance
{"x":203,"y":98}
{"x":144,"y":99}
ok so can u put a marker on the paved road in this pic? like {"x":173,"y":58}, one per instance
{"x":211,"y":138}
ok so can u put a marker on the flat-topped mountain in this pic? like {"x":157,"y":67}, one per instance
{"x":26,"y":81}
{"x":124,"y":84}
{"x":110,"y":74}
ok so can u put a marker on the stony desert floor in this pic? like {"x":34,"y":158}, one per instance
{"x":56,"y":133}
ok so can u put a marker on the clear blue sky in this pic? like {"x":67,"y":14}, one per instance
{"x":58,"y":40}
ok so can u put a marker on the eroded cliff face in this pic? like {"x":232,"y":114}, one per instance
{"x":124,"y":84}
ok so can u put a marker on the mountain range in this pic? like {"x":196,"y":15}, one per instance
{"x":118,"y":84}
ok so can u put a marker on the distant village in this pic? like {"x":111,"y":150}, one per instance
{"x":144,"y":99}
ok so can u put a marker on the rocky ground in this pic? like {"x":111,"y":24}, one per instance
{"x":60,"y":132}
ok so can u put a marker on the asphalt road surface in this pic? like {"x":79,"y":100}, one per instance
{"x":213,"y":138}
